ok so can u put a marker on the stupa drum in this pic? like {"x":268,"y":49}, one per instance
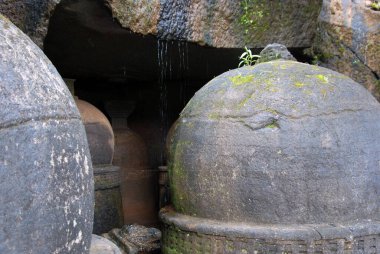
{"x":99,"y":132}
{"x":138,"y":181}
{"x":108,"y":212}
{"x":278,"y":157}
{"x":46,"y":186}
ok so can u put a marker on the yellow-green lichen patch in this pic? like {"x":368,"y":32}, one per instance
{"x":322,"y":78}
{"x":324,"y":93}
{"x":6,"y":22}
{"x":307,"y":92}
{"x":243,"y":102}
{"x":240,"y":80}
{"x":214,"y":116}
{"x":299,"y":84}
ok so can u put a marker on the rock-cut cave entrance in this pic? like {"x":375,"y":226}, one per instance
{"x":111,"y":64}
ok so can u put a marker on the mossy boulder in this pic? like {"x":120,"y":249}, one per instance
{"x":279,"y":142}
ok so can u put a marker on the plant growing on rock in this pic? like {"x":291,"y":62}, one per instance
{"x":252,"y":14}
{"x":247,"y":58}
{"x":375,"y":5}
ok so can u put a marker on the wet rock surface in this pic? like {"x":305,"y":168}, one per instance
{"x":280,"y":142}
{"x":226,"y":24}
{"x":46,"y":181}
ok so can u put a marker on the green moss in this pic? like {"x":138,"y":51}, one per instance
{"x":377,"y":84}
{"x":240,"y":80}
{"x":272,"y":125}
{"x":177,"y":173}
{"x":168,"y":250}
{"x":341,"y":49}
{"x":271,"y":110}
{"x":252,"y":14}
{"x":375,"y":6}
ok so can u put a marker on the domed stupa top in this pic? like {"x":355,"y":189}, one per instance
{"x":99,"y":132}
{"x":279,"y":142}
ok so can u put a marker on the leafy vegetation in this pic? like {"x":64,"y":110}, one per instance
{"x":252,"y":14}
{"x":375,"y":5}
{"x":247,"y":58}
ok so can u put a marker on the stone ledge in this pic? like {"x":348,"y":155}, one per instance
{"x":188,"y":234}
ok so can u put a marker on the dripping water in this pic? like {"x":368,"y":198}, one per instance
{"x":183,"y":53}
{"x":163,"y":63}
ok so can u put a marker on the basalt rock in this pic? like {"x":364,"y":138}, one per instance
{"x":229,"y":24}
{"x":348,"y":41}
{"x":275,"y":51}
{"x":101,"y":245}
{"x":136,"y":239}
{"x":46,"y":178}
{"x":31,"y":16}
{"x":278,"y":154}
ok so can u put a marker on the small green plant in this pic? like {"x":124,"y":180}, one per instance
{"x":247,"y":58}
{"x":252,"y":13}
{"x":375,"y":5}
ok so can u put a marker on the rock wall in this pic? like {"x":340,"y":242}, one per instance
{"x":229,"y":24}
{"x":348,"y":41}
{"x":31,"y":16}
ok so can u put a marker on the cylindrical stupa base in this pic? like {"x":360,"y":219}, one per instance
{"x":108,"y":207}
{"x":189,"y":234}
{"x":163,"y":182}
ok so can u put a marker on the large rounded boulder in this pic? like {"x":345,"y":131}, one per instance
{"x":46,"y":182}
{"x":280,"y":142}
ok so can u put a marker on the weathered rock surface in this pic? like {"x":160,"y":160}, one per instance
{"x":46,"y":182}
{"x":229,"y":24}
{"x":280,"y":142}
{"x":101,"y":245}
{"x":31,"y":16}
{"x":275,"y":51}
{"x":225,"y":23}
{"x":348,"y":41}
{"x":136,"y":239}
